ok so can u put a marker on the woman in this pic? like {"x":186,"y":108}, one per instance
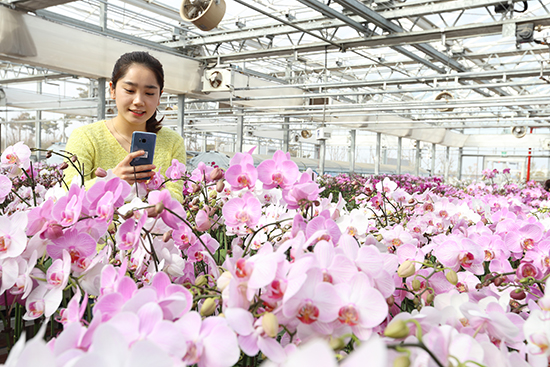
{"x":136,"y":85}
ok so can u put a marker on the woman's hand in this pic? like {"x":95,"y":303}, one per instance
{"x":130,"y":173}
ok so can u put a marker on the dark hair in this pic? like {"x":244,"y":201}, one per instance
{"x":142,"y":58}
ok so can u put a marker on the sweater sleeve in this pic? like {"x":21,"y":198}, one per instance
{"x":80,"y":145}
{"x":178,"y":152}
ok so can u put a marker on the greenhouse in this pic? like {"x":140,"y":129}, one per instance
{"x":274,"y":183}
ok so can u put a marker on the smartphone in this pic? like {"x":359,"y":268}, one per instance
{"x":146,"y":142}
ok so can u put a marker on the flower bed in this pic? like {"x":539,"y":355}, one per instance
{"x":271,"y":265}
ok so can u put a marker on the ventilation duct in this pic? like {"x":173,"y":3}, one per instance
{"x":15,"y":38}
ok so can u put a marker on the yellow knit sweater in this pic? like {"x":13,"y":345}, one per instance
{"x":95,"y":146}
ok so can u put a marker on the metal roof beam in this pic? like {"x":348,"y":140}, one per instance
{"x":36,"y":78}
{"x":317,"y":23}
{"x":331,"y":13}
{"x":431,"y":35}
{"x":375,"y":18}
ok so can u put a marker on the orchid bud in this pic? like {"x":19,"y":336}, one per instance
{"x":212,"y":194}
{"x":498,"y":281}
{"x":406,"y":269}
{"x":167,"y":236}
{"x":208,"y":307}
{"x":216,"y":174}
{"x":430,"y":298}
{"x":49,"y":154}
{"x":402,"y":361}
{"x":196,"y":188}
{"x":270,"y":324}
{"x":159,"y":207}
{"x":151,"y":212}
{"x":220,"y":186}
{"x":517,"y":294}
{"x":336,"y":343}
{"x":129,"y":214}
{"x":63,"y":166}
{"x":100,"y":172}
{"x":390,"y":300}
{"x":452,"y":277}
{"x":73,"y":158}
{"x":379,"y":237}
{"x":397,"y":329}
{"x":416,"y":285}
{"x":52,"y":232}
{"x":201,"y":281}
{"x":112,"y":228}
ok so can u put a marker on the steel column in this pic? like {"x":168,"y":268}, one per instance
{"x":240,"y":131}
{"x":286,"y":135}
{"x":181,"y":114}
{"x":417,"y":159}
{"x":353,"y":137}
{"x":447,"y":163}
{"x":460,"y":158}
{"x":399,"y":153}
{"x":433,"y":159}
{"x":38,"y":125}
{"x":377,"y":155}
{"x":101,"y":85}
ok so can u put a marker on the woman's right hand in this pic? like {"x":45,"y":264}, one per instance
{"x":130,"y":173}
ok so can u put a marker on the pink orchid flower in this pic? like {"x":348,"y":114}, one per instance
{"x":75,"y":310}
{"x":80,"y":246}
{"x":172,"y":205}
{"x":302,"y":192}
{"x":314,"y":301}
{"x":12,"y":235}
{"x":176,"y":170}
{"x":16,"y":155}
{"x":241,"y":173}
{"x":203,"y":221}
{"x":252,"y":336}
{"x":129,"y":233}
{"x":210,"y":342}
{"x":242,"y":211}
{"x":386,"y":186}
{"x":280,"y":171}
{"x":363,"y":307}
{"x":456,"y":253}
{"x":66,"y":211}
{"x":5,"y":187}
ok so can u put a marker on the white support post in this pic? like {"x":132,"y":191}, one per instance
{"x":460,"y":158}
{"x":286,"y":135}
{"x":433,"y":159}
{"x":417,"y":159}
{"x":377,"y":155}
{"x":181,"y":114}
{"x":399,"y":153}
{"x":447,"y":163}
{"x":353,"y":137}
{"x":240,"y":131}
{"x":101,"y":84}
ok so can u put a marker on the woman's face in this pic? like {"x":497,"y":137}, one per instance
{"x":137,"y":95}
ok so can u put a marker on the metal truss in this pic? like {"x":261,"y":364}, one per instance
{"x":364,"y":57}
